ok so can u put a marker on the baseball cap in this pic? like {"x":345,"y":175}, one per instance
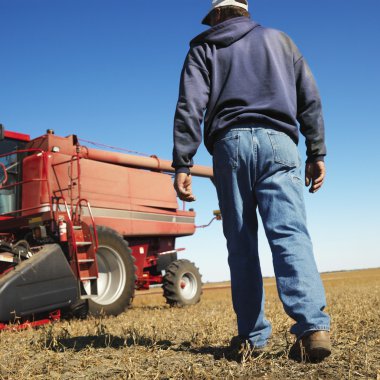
{"x":222,"y":3}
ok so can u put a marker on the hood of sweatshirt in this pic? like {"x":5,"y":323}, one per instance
{"x":226,"y":33}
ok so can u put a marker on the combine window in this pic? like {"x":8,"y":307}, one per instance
{"x":9,"y":195}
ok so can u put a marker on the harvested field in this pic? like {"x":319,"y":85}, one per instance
{"x":153,"y":341}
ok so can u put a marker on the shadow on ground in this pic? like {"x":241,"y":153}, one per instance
{"x":101,"y":341}
{"x":226,"y":352}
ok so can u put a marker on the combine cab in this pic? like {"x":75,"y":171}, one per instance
{"x":81,"y":229}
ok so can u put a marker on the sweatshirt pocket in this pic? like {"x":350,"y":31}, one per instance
{"x":226,"y":152}
{"x":285,"y":151}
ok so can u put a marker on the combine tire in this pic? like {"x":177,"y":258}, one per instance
{"x":182,"y":283}
{"x":117,"y":274}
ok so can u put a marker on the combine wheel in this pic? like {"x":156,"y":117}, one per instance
{"x":117,"y":274}
{"x":182,"y":283}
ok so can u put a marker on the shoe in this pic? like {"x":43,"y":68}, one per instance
{"x":239,"y":343}
{"x":313,"y":347}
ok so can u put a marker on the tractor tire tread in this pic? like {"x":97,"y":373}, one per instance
{"x":170,"y":286}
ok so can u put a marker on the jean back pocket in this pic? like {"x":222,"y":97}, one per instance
{"x":226,"y":152}
{"x":285,"y":151}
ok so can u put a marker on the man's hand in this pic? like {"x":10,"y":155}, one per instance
{"x":314,"y":174}
{"x":182,"y":185}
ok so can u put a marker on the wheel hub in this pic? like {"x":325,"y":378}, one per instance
{"x":188,"y":285}
{"x":112,"y":276}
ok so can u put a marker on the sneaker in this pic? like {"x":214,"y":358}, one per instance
{"x":313,"y":347}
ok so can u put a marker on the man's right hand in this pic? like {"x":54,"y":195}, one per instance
{"x":182,"y":185}
{"x":315,"y":173}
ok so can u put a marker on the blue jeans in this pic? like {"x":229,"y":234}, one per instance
{"x":260,"y":168}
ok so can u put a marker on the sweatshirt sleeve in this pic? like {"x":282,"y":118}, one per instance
{"x":192,"y":102}
{"x":309,"y":111}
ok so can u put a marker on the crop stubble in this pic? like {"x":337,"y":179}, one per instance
{"x":154,"y":341}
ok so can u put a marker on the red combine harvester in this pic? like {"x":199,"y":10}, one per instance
{"x":59,"y":255}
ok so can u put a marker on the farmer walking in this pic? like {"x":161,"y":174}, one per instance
{"x":254,"y":90}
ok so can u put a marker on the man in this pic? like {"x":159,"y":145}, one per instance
{"x":255,"y":88}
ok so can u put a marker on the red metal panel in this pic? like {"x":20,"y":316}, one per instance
{"x":65,"y":145}
{"x":34,"y":193}
{"x":130,"y":228}
{"x":146,"y":228}
{"x":134,"y":202}
{"x":16,"y":136}
{"x":53,"y":316}
{"x":151,"y":189}
{"x":139,"y":252}
{"x":105,"y":185}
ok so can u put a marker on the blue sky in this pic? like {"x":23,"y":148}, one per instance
{"x":108,"y":71}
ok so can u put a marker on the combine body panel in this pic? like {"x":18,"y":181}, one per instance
{"x":114,"y":217}
{"x":132,"y":201}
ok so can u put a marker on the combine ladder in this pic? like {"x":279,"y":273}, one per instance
{"x":84,"y":245}
{"x":82,"y":240}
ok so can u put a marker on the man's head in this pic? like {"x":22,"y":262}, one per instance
{"x":223,"y":10}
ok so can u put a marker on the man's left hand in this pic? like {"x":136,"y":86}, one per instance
{"x":315,"y":173}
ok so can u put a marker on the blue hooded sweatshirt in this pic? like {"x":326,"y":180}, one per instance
{"x":239,"y":73}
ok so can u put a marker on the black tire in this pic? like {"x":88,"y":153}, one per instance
{"x":117,"y":274}
{"x":182,"y":283}
{"x":78,"y":309}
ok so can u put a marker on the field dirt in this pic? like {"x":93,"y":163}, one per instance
{"x":154,"y":341}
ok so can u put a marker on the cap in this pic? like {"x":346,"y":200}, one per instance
{"x":222,"y":3}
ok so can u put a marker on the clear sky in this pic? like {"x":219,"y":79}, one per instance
{"x":108,"y":70}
